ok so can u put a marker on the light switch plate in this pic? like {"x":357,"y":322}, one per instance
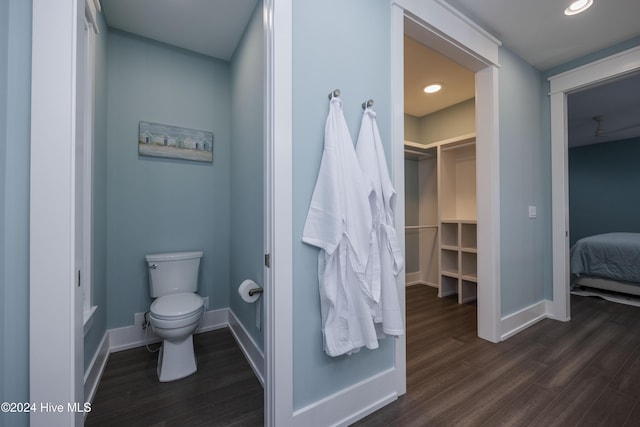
{"x":532,"y":212}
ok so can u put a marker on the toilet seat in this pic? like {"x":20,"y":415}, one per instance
{"x":177,"y":306}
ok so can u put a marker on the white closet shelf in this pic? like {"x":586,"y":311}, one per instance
{"x":470,"y":277}
{"x":453,"y":274}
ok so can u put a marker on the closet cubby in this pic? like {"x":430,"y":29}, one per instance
{"x":468,"y":236}
{"x":468,"y":291}
{"x":449,"y":262}
{"x":448,"y":286}
{"x":449,"y":234}
{"x":469,"y":266}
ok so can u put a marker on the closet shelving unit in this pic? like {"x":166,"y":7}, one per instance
{"x":454,"y":203}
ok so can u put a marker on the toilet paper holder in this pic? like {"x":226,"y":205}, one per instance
{"x":254,"y":291}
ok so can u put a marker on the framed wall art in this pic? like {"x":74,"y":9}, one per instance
{"x":174,"y":142}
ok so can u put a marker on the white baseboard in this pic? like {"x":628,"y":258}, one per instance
{"x":96,"y":368}
{"x":134,"y":336}
{"x":411,"y":279}
{"x":520,"y":320}
{"x":422,"y":283}
{"x":251,"y":351}
{"x":349,"y":405}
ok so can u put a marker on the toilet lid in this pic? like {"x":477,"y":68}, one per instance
{"x":177,"y":304}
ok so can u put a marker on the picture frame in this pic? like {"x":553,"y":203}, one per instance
{"x":174,"y":142}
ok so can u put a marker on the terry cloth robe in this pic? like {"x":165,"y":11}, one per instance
{"x":385,"y":258}
{"x":339,"y":223}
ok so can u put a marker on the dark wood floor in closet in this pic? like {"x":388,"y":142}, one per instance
{"x":585,"y":372}
{"x":224,"y":391}
{"x":581,"y":373}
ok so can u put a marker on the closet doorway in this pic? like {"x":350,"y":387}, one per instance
{"x":440,"y":174}
{"x":481,"y":58}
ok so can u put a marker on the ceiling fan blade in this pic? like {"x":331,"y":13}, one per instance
{"x":622,"y":129}
{"x":600,"y":131}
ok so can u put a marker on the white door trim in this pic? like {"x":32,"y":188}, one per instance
{"x":438,"y":25}
{"x":55,"y":310}
{"x":397,"y":176}
{"x":560,"y":85}
{"x":278,"y":296}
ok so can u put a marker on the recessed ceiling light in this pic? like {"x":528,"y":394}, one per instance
{"x":433,"y":88}
{"x":578,"y":6}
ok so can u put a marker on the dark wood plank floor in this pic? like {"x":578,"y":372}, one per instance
{"x":581,"y":373}
{"x":224,"y":391}
{"x":585,"y":372}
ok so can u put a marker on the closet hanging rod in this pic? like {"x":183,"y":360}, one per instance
{"x":334,"y":94}
{"x":454,"y":146}
{"x":367,"y":104}
{"x":419,"y":153}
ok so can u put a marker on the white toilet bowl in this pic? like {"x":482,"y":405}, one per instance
{"x":174,"y":318}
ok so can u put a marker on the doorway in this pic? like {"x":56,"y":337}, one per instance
{"x":560,"y":86}
{"x":487,"y":173}
{"x":440,"y":181}
{"x":53,"y":118}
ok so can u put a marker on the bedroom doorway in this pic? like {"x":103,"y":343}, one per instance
{"x":562,"y":85}
{"x":604,"y":131}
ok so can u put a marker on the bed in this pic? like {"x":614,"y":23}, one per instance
{"x":608,"y":261}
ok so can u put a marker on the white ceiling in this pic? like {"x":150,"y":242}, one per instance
{"x":535,"y":30}
{"x":210,"y":27}
{"x":539,"y":32}
{"x":617,"y":106}
{"x":423,"y":66}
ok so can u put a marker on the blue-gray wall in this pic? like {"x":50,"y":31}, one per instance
{"x":247,"y":176}
{"x":162,"y":205}
{"x":99,"y":194}
{"x":412,"y":128}
{"x":603,"y":188}
{"x":456,"y":120}
{"x":15,"y":93}
{"x":525,"y":171}
{"x":352,"y":54}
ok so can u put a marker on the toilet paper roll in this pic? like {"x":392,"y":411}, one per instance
{"x":244,"y":289}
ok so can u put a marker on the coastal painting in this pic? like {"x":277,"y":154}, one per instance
{"x":158,"y":140}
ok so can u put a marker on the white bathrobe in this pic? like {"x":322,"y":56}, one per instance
{"x":339,"y":223}
{"x":385,"y":259}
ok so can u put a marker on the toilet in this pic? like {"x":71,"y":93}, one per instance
{"x":176,"y":311}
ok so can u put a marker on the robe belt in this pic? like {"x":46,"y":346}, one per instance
{"x":394,"y":247}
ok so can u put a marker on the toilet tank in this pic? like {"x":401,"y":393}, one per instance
{"x":173,"y":272}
